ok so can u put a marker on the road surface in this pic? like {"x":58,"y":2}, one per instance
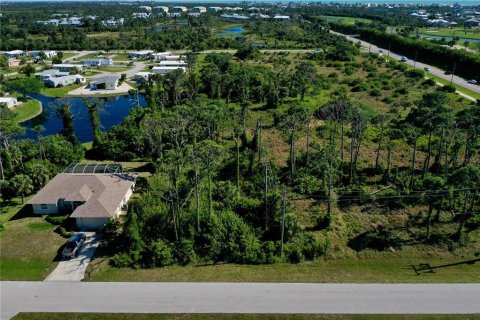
{"x":433,"y":70}
{"x":74,"y":269}
{"x":177,"y":297}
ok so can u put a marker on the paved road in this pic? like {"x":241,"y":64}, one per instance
{"x":433,"y":70}
{"x":74,"y":269}
{"x":141,"y":297}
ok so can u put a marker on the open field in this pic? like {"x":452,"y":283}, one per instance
{"x":122,"y":316}
{"x":345,"y":20}
{"x":29,"y":245}
{"x":27,"y":110}
{"x":451,"y":32}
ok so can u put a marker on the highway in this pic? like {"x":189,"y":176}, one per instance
{"x":178,"y":297}
{"x":433,"y":70}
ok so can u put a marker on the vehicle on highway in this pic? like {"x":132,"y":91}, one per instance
{"x":472,"y":81}
{"x":381,"y":51}
{"x":403,"y":59}
{"x":426,"y":69}
{"x":73,"y":245}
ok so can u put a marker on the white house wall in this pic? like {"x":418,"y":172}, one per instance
{"x":51,"y":209}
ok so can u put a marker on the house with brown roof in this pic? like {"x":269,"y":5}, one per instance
{"x":93,"y":198}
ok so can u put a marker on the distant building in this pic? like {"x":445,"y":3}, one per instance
{"x":160,"y":55}
{"x":233,"y":17}
{"x":161,"y":9}
{"x":97,"y":62}
{"x":198,"y":9}
{"x":471,"y":23}
{"x":140,"y":54}
{"x":51,"y":73}
{"x":68,"y":67}
{"x":214,"y":9}
{"x":141,"y":15}
{"x":439,"y":23}
{"x":178,"y":9}
{"x":14,"y":62}
{"x":175,"y":63}
{"x":163,"y":70}
{"x":143,"y":75}
{"x":112,"y":22}
{"x":194,"y":14}
{"x":145,"y":8}
{"x":13,"y":53}
{"x":105,"y":83}
{"x":9,"y":102}
{"x":64,"y":81}
{"x":281,"y":17}
{"x":48,"y":53}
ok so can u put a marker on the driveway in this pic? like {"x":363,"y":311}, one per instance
{"x":178,"y":297}
{"x":74,"y":269}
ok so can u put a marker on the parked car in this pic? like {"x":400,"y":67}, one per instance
{"x":404,"y":59}
{"x":381,"y":51}
{"x":73,"y":245}
{"x":472,"y":81}
{"x":426,"y":69}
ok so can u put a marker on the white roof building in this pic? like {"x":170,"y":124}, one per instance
{"x":13,"y":53}
{"x":166,"y":69}
{"x":176,"y":63}
{"x":198,"y":9}
{"x":179,"y":9}
{"x":10,"y":102}
{"x":161,"y":9}
{"x":141,"y":15}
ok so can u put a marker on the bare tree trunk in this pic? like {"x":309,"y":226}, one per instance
{"x":464,"y":217}
{"x":427,"y":158}
{"x":414,"y":159}
{"x":378,"y":147}
{"x":292,"y":152}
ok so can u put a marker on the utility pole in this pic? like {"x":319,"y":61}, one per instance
{"x":389,"y":47}
{"x":370,"y":46}
{"x":415,"y":60}
{"x":283,"y":222}
{"x":453,"y":72}
{"x":266,"y":195}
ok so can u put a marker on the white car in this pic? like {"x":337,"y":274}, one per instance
{"x":426,"y":69}
{"x":404,"y":59}
{"x":472,"y":81}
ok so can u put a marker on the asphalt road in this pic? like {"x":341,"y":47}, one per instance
{"x":433,"y":70}
{"x":171,"y":297}
{"x":74,"y":269}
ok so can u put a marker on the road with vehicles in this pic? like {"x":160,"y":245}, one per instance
{"x":182,"y":297}
{"x":433,"y":70}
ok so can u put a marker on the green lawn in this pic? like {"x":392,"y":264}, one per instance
{"x":60,"y":92}
{"x":449,"y":32}
{"x":114,"y":69}
{"x":27,"y":110}
{"x":459,"y":88}
{"x":124,"y":316}
{"x":28,"y":244}
{"x":121,"y":57}
{"x":372,"y":267}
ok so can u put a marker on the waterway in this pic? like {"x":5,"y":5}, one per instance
{"x":112,"y":112}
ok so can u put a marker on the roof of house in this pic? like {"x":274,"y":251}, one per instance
{"x":65,"y":78}
{"x":106,"y":79}
{"x":102,"y":193}
{"x":7,"y":99}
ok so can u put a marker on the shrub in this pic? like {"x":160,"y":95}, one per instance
{"x":293,"y":252}
{"x":429,"y":82}
{"x":122,"y":260}
{"x":56,"y":220}
{"x":158,"y":254}
{"x":375,"y":92}
{"x":447,"y":88}
{"x":415,"y":73}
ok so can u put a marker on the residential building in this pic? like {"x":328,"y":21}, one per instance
{"x":66,"y":67}
{"x":105,"y":83}
{"x":471,"y":23}
{"x":178,"y":9}
{"x":13,"y":54}
{"x":439,"y":23}
{"x":171,"y":58}
{"x":214,"y":9}
{"x":281,"y":17}
{"x":92,"y":198}
{"x":9,"y":102}
{"x":163,"y":70}
{"x":161,"y":9}
{"x":51,"y":73}
{"x":145,"y":8}
{"x":48,"y":53}
{"x":141,"y":15}
{"x":233,"y":17}
{"x":198,"y":9}
{"x":97,"y":62}
{"x":160,"y":55}
{"x":143,"y":75}
{"x":140,"y":54}
{"x":194,"y":14}
{"x":56,"y":82}
{"x":112,"y":22}
{"x":14,"y":62}
{"x":176,"y":63}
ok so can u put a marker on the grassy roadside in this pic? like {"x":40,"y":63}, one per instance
{"x":376,"y":268}
{"x":125,"y":316}
{"x":27,"y":110}
{"x":458,"y":87}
